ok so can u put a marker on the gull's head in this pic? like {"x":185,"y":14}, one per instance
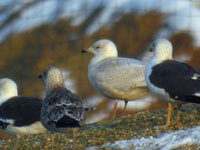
{"x":52,"y":77}
{"x":162,"y":49}
{"x":104,"y":48}
{"x":8,"y":89}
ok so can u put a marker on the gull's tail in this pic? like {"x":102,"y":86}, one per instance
{"x":3,"y":124}
{"x":90,"y":109}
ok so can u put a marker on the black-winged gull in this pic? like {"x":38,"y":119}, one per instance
{"x":115,"y":77}
{"x":61,"y":109}
{"x":170,"y":80}
{"x":19,"y":115}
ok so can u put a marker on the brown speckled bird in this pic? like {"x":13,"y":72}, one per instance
{"x":61,"y":108}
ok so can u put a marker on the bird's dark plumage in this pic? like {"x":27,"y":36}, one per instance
{"x":179,"y":80}
{"x":62,"y":109}
{"x":23,"y":111}
{"x":66,"y":122}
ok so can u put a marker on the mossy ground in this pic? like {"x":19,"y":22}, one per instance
{"x":137,"y":125}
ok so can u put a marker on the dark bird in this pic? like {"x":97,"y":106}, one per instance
{"x":170,"y":80}
{"x":61,"y":109}
{"x":19,"y":115}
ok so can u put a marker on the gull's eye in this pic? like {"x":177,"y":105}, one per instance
{"x":97,"y":47}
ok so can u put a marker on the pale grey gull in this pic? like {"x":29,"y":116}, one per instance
{"x":115,"y":77}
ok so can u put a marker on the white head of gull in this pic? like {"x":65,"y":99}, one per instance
{"x":8,"y":89}
{"x":162,"y":50}
{"x":102,"y":49}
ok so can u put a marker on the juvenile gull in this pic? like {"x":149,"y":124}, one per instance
{"x":61,"y":108}
{"x":19,"y":115}
{"x":115,"y":77}
{"x":170,"y":80}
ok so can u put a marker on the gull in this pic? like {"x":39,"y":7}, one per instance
{"x":19,"y":115}
{"x":170,"y":80}
{"x":61,"y":109}
{"x":115,"y":77}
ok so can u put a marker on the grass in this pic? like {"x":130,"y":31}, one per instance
{"x":142,"y":124}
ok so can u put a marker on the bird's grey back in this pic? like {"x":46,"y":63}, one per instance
{"x":117,"y":72}
{"x":118,"y":77}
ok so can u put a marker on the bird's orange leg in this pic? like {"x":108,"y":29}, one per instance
{"x":125,"y":105}
{"x":115,"y":109}
{"x":52,"y":140}
{"x":168,"y":116}
{"x":74,"y":135}
{"x":178,"y":114}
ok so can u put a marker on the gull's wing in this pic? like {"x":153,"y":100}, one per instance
{"x":60,"y":103}
{"x":179,"y":80}
{"x":21,"y":111}
{"x":118,"y":75}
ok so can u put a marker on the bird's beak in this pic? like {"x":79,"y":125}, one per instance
{"x":40,"y":76}
{"x":151,"y":49}
{"x":89,"y":50}
{"x":83,"y":51}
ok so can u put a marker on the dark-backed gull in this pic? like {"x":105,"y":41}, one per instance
{"x":61,"y":108}
{"x":19,"y":115}
{"x":115,"y":77}
{"x":170,"y":80}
